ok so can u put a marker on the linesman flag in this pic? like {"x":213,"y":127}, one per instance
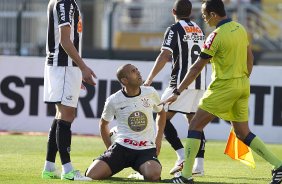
{"x":237,"y":150}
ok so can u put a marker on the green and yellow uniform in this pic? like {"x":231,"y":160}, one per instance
{"x":227,"y":95}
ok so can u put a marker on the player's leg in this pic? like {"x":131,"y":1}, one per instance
{"x":68,"y":94}
{"x":110,"y":162}
{"x":242,"y":131}
{"x":53,"y":82}
{"x":148,"y":165}
{"x":198,"y":167}
{"x":49,"y":171}
{"x":151,"y":170}
{"x":65,"y":116}
{"x":98,"y":170}
{"x":193,"y":141}
{"x":257,"y":145}
{"x":172,"y":137}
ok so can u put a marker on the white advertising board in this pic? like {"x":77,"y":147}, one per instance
{"x":22,"y":107}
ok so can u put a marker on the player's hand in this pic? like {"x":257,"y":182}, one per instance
{"x":88,"y":75}
{"x":172,"y":98}
{"x":148,"y":82}
{"x":158,"y":145}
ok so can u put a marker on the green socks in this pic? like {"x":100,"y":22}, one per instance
{"x":259,"y":147}
{"x":191,"y":150}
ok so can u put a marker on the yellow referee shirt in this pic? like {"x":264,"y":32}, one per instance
{"x":227,"y":45}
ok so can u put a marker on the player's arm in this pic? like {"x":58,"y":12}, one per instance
{"x":68,"y":46}
{"x":193,"y":72}
{"x":161,"y":121}
{"x":160,"y":62}
{"x":105,"y":132}
{"x":250,"y":59}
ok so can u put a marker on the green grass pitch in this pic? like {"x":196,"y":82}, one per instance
{"x":22,"y":158}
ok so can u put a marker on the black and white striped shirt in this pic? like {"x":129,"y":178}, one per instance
{"x":61,"y":13}
{"x":185,"y":40}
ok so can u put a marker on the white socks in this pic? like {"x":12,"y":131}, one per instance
{"x":180,"y":154}
{"x":67,"y":168}
{"x":198,"y":164}
{"x":49,"y":166}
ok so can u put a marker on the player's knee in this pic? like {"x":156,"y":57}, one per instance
{"x":153,"y":175}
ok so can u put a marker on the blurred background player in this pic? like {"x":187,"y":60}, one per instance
{"x":182,"y":44}
{"x":64,"y":72}
{"x":136,"y":144}
{"x":227,"y":97}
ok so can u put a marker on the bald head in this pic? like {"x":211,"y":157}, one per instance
{"x":122,"y":72}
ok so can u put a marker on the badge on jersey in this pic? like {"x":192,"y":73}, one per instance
{"x":79,"y":25}
{"x":210,"y":39}
{"x":137,"y":121}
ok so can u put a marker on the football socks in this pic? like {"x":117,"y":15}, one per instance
{"x":64,"y":140}
{"x":171,"y":136}
{"x":51,"y":144}
{"x":191,"y":148}
{"x":259,"y":147}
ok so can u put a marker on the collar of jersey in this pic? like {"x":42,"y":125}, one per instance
{"x":223,"y":22}
{"x":124,"y":93}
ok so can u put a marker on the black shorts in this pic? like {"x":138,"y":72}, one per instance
{"x":119,"y":157}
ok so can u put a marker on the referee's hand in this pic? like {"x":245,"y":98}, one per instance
{"x":172,"y":98}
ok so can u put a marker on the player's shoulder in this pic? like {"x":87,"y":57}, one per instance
{"x":148,"y":89}
{"x":173,"y":27}
{"x":115,"y":96}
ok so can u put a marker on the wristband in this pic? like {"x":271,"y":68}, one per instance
{"x":176,"y":92}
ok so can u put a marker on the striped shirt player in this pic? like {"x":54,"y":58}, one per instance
{"x":182,"y":45}
{"x":63,"y":61}
{"x":184,"y":40}
{"x":61,"y":13}
{"x":63,"y":75}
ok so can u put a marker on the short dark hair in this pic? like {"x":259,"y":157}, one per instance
{"x":182,"y":8}
{"x":216,"y":6}
{"x":121,"y":73}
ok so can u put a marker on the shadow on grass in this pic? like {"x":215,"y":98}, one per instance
{"x":232,"y":179}
{"x":129,"y":180}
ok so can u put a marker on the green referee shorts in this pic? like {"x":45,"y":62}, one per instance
{"x":227,"y":99}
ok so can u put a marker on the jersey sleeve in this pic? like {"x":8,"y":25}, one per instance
{"x":170,"y":39}
{"x":109,"y":110}
{"x":65,"y":11}
{"x":210,"y":46}
{"x":156,"y":99}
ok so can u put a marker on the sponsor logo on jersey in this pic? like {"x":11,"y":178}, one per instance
{"x":123,"y":107}
{"x":79,"y":25}
{"x":209,"y":40}
{"x":137,"y":121}
{"x":192,"y":29}
{"x":193,"y":37}
{"x":135,"y":143}
{"x":169,"y":38}
{"x":62,"y":12}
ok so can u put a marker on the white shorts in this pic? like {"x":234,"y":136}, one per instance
{"x":62,"y":85}
{"x":187,"y":102}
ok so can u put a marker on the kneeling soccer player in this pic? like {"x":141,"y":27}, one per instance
{"x":136,"y":144}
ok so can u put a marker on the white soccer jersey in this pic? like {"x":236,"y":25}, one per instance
{"x":134,"y":115}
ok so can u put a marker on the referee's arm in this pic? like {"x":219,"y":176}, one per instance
{"x":250,"y":60}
